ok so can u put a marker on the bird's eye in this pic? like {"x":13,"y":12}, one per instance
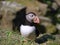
{"x":31,"y":15}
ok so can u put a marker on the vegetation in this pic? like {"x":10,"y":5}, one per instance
{"x":9,"y":37}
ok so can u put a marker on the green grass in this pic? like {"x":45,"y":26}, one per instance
{"x":8,"y":37}
{"x":12,"y":38}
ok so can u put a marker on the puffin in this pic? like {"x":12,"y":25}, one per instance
{"x":29,"y":27}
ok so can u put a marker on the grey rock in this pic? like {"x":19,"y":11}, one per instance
{"x":42,"y":8}
{"x":58,"y":16}
{"x":57,"y":2}
{"x":54,"y":6}
{"x":11,"y":6}
{"x":45,"y":19}
{"x":58,"y":26}
{"x":8,"y":10}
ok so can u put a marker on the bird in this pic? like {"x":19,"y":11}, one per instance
{"x":26,"y":23}
{"x":30,"y":25}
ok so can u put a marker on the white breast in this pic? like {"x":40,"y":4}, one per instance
{"x":26,"y":30}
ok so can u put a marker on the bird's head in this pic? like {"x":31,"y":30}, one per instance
{"x":32,"y":17}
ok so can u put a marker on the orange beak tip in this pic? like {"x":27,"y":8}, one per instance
{"x":36,"y":20}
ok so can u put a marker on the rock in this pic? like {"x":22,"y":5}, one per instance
{"x":8,"y":10}
{"x":58,"y":26}
{"x":54,"y":6}
{"x":57,"y":2}
{"x":43,"y":8}
{"x":49,"y":27}
{"x":45,"y":18}
{"x":12,"y":6}
{"x":58,"y":17}
{"x":46,"y":22}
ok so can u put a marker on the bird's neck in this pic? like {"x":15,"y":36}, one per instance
{"x":28,"y":23}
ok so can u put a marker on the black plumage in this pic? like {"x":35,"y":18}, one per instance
{"x":21,"y":19}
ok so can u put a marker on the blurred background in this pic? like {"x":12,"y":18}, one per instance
{"x":48,"y":12}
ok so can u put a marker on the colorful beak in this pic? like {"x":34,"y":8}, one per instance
{"x":36,"y":20}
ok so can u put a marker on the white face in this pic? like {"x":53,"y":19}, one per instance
{"x":32,"y":18}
